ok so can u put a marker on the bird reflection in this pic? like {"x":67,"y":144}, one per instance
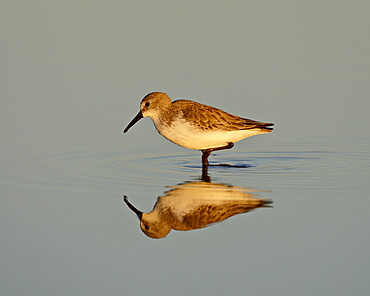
{"x":194,"y":205}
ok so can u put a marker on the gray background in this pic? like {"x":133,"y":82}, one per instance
{"x":72,"y":76}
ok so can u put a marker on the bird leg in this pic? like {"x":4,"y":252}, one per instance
{"x":207,"y":152}
{"x":205,"y":176}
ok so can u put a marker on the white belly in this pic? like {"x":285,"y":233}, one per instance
{"x":188,"y":136}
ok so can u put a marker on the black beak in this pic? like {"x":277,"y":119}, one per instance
{"x":136,"y":119}
{"x":135,"y":210}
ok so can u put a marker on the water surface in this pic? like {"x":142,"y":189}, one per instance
{"x":72,"y":76}
{"x":63,"y":218}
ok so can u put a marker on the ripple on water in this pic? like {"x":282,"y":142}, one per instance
{"x":313,"y":165}
{"x":106,"y":167}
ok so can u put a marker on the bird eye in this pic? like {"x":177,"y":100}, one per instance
{"x":147,"y":104}
{"x":146,"y":226}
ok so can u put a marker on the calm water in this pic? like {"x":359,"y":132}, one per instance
{"x":65,"y":229}
{"x":72,"y":74}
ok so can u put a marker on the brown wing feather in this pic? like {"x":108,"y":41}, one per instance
{"x":209,"y":214}
{"x":212,"y":118}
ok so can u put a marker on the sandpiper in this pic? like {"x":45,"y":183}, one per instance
{"x":196,"y":126}
{"x":195,"y":205}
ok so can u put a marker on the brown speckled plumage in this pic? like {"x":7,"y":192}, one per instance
{"x":197,"y":126}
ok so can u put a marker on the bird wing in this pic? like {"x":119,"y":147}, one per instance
{"x":209,"y":214}
{"x":210,"y":118}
